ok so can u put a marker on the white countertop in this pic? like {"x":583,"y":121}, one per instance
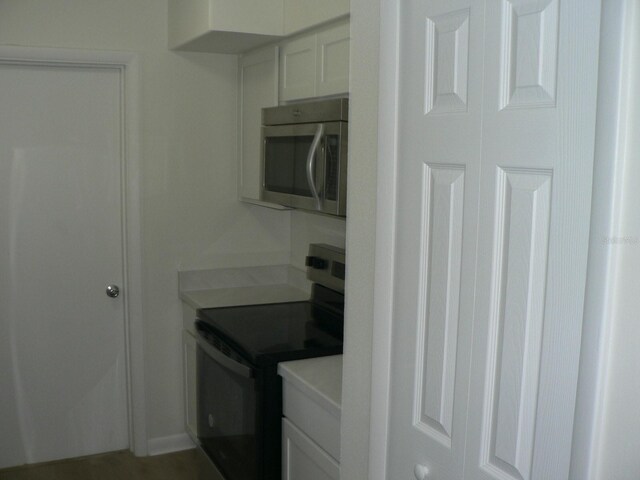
{"x":227,"y":287}
{"x":319,"y":378}
{"x":235,"y":296}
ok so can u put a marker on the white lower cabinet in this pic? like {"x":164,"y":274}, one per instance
{"x":303,"y":459}
{"x":312,"y":392}
{"x":189,"y":350}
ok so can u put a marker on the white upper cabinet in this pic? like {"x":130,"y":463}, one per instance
{"x":313,"y":65}
{"x":298,"y":68}
{"x":316,"y":64}
{"x":224,"y":26}
{"x":302,"y":14}
{"x":332,"y":71}
{"x":236,"y":26}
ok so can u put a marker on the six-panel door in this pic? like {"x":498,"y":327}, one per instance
{"x":496,"y":135}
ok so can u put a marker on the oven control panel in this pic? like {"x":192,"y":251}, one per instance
{"x":326,"y":266}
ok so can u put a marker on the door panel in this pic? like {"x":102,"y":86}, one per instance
{"x":439,"y":169}
{"x":516,"y":320}
{"x":62,"y":339}
{"x":496,"y":135}
{"x":535,"y":203}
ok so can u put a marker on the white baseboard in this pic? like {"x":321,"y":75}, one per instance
{"x":169,"y":444}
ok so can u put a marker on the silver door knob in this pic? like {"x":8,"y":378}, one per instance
{"x":421,"y":472}
{"x":113,"y":291}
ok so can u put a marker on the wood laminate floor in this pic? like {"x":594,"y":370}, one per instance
{"x":187,"y":465}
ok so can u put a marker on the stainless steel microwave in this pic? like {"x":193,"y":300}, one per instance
{"x":304,"y":156}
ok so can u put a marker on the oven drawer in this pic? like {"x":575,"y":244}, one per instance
{"x":321,"y":425}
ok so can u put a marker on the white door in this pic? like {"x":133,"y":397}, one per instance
{"x":62,"y":342}
{"x":439,"y":166}
{"x":497,"y":118}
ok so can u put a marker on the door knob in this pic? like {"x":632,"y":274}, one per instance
{"x":113,"y":291}
{"x":421,"y":472}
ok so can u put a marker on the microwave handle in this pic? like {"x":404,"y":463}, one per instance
{"x":311,"y":161}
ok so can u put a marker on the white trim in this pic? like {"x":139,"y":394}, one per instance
{"x":385,"y":237}
{"x":170,"y":444}
{"x":133,"y":218}
{"x":128,"y":64}
{"x":615,"y":95}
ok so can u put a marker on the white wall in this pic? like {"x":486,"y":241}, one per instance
{"x":309,"y":228}
{"x":191,"y":218}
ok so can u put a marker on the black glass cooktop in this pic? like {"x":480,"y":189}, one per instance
{"x":275,"y":332}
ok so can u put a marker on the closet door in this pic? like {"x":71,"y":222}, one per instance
{"x":535,"y":203}
{"x":438,"y":177}
{"x":496,"y":128}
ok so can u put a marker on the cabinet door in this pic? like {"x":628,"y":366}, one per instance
{"x":258,"y":76}
{"x":302,"y":459}
{"x":189,"y":364}
{"x":333,"y":60}
{"x":298,"y":68}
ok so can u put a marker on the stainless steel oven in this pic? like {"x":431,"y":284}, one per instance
{"x":304,"y":156}
{"x":239,"y":392}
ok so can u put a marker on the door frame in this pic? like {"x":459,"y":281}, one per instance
{"x":384,"y":281}
{"x":600,"y":275}
{"x":620,"y":23}
{"x":127,"y":65}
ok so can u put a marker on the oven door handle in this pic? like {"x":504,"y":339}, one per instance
{"x":223,"y":360}
{"x":311,"y":165}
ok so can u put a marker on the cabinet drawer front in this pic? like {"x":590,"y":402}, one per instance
{"x":302,"y":459}
{"x":321,"y":425}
